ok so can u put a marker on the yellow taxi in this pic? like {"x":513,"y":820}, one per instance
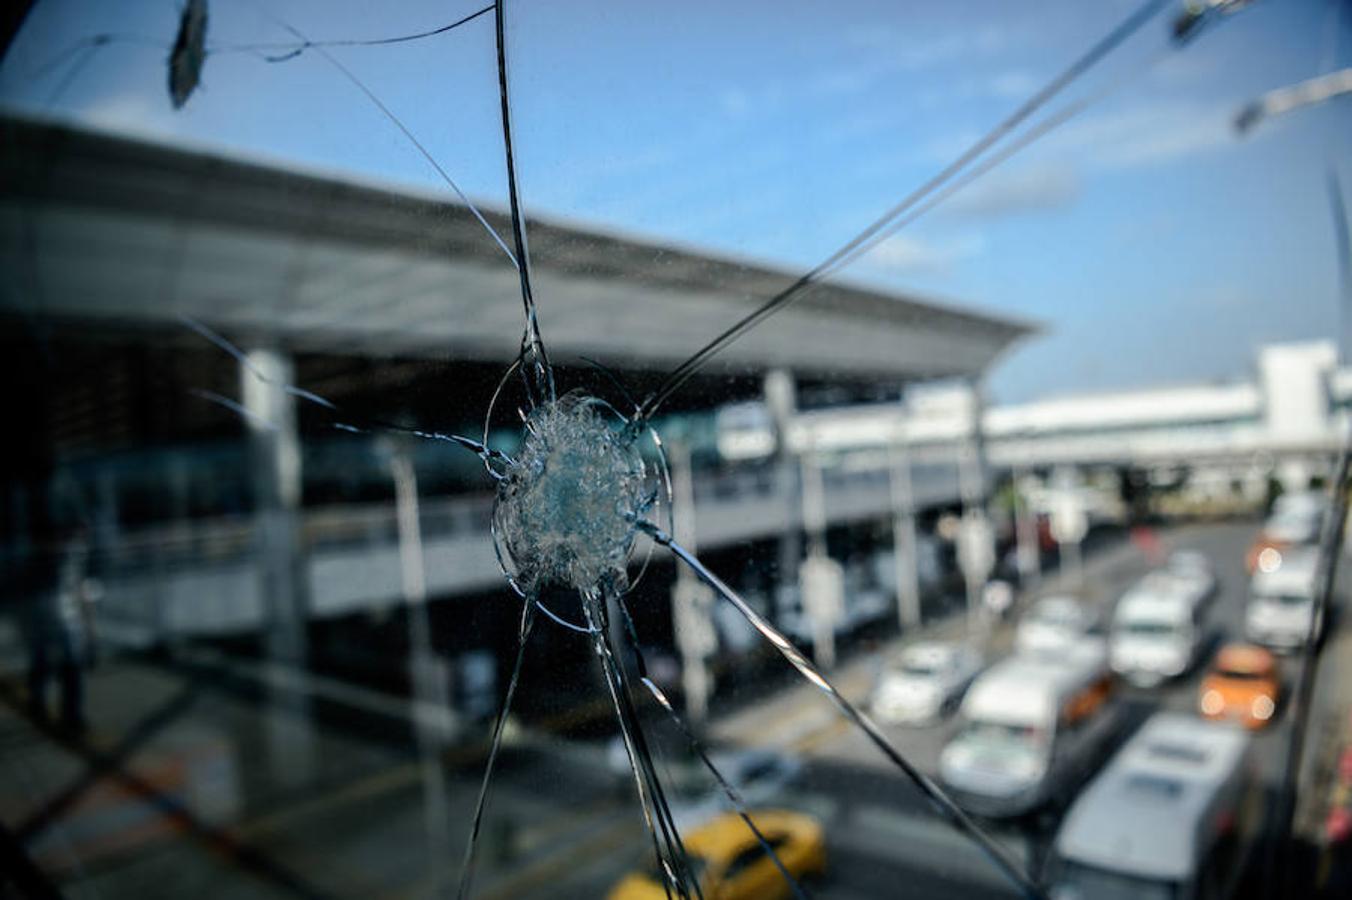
{"x":1243,"y":685}
{"x":732,"y":865}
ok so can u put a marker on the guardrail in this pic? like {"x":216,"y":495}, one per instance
{"x":195,"y":578}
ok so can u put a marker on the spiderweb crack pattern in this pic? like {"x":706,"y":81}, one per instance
{"x":566,"y":512}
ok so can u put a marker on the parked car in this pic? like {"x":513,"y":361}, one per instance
{"x":1282,"y":612}
{"x":760,"y":777}
{"x":1053,"y":624}
{"x":1193,"y":566}
{"x":1157,"y":630}
{"x":731,"y":864}
{"x":1295,"y":520}
{"x":1244,"y":685}
{"x":925,"y":683}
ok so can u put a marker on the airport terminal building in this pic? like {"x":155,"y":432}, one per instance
{"x":394,"y":307}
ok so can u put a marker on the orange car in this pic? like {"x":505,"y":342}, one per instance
{"x":732,"y":865}
{"x":1243,"y":685}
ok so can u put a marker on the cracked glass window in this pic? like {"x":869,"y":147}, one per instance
{"x":710,"y":451}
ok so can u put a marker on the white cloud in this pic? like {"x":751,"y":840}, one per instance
{"x":911,"y":50}
{"x":839,"y":81}
{"x":1014,"y":191}
{"x":1147,"y":135}
{"x":904,"y":254}
{"x":1007,"y":85}
{"x":1128,"y":138}
{"x":1014,"y":84}
{"x":942,"y":149}
{"x":735,"y":102}
{"x":127,"y":111}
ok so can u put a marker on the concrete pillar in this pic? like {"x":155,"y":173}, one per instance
{"x":1026,"y":530}
{"x":107,"y":515}
{"x":972,"y":488}
{"x":427,"y":671}
{"x":1069,"y":522}
{"x":821,"y":580}
{"x":904,"y":559}
{"x":178,"y":531}
{"x":781,"y":399}
{"x":972,"y":471}
{"x":691,"y":601}
{"x":274,"y":450}
{"x":822,"y":586}
{"x":813,"y":495}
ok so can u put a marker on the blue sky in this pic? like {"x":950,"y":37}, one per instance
{"x":1151,"y":242}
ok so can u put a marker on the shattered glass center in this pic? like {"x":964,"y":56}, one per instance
{"x":566,"y":511}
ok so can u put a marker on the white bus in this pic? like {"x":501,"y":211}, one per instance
{"x":1158,"y":629}
{"x":1173,"y":816}
{"x":1032,"y":728}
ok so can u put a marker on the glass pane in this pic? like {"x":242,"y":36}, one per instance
{"x":511,"y":447}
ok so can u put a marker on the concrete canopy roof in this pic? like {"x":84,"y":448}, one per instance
{"x":120,"y":230}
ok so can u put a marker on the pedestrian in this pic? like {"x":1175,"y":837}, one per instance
{"x":55,"y":623}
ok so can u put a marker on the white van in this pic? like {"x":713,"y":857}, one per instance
{"x":1282,"y":602}
{"x":1157,"y":629}
{"x":1174,"y":815}
{"x":1032,"y":728}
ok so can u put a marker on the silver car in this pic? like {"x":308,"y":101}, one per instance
{"x":925,"y":683}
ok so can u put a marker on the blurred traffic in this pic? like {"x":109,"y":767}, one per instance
{"x":1106,"y":737}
